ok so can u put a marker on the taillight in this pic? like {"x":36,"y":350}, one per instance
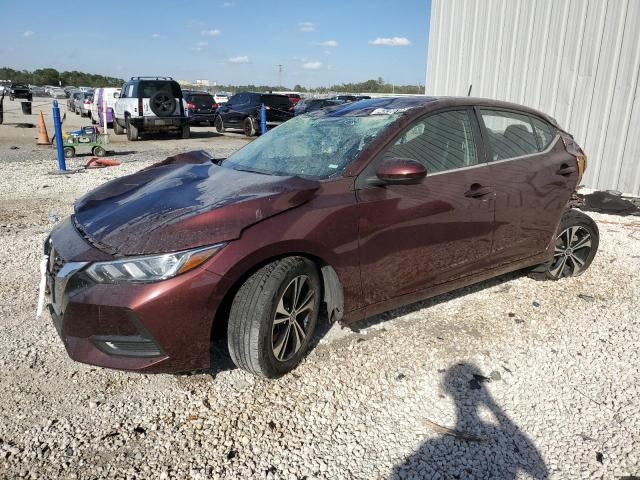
{"x":140,"y":107}
{"x":87,"y":102}
{"x":574,"y":149}
{"x":214,"y":106}
{"x":191,"y":106}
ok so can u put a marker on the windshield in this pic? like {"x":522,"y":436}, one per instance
{"x":310,"y":146}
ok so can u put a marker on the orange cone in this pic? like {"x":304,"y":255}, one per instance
{"x":43,"y":136}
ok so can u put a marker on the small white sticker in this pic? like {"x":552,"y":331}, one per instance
{"x":389,"y":111}
{"x":333,"y":166}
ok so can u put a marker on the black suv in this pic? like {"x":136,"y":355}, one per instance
{"x":243,"y":111}
{"x":201,"y":107}
{"x":150,"y":104}
{"x":18,"y":90}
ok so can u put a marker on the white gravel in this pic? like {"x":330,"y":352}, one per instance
{"x":556,"y":394}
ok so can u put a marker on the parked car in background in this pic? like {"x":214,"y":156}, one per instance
{"x":69,"y":89}
{"x":111,"y":96}
{"x":87,"y":102}
{"x":201,"y":107}
{"x":20,"y":91}
{"x":150,"y":104}
{"x":220,"y":97}
{"x":294,"y":97}
{"x":57,"y":92}
{"x":37,"y":91}
{"x":71,"y":99}
{"x":85,"y":89}
{"x":312,"y":104}
{"x":242,"y":111}
{"x":350,"y":211}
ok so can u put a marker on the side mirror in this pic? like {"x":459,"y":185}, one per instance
{"x":399,"y":171}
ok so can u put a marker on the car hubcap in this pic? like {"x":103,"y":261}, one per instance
{"x":292,"y":318}
{"x":573,"y":247}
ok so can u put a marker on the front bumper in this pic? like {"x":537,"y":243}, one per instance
{"x":154,"y":327}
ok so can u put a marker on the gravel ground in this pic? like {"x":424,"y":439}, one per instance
{"x":510,"y":378}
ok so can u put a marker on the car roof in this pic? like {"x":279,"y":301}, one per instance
{"x":422,"y":104}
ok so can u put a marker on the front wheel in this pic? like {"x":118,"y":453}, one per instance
{"x":576,"y":244}
{"x":273,"y":317}
{"x":249,"y":127}
{"x":117,"y":129}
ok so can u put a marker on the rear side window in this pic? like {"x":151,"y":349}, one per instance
{"x":545,"y":133}
{"x":441,"y":142}
{"x":510,"y":134}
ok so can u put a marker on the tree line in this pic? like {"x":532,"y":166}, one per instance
{"x":51,"y":76}
{"x":370,"y":86}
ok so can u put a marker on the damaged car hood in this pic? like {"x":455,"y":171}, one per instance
{"x":184,"y":202}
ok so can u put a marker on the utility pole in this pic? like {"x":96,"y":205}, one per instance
{"x":279,"y":75}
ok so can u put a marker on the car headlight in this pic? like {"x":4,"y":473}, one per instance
{"x":151,"y":268}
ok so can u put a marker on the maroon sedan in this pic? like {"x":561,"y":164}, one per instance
{"x":348,"y":212}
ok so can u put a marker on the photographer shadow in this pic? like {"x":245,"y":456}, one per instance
{"x":492,"y":448}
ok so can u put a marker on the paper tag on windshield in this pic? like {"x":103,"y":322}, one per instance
{"x":333,"y":166}
{"x":389,"y":111}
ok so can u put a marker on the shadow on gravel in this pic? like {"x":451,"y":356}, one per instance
{"x":473,"y":448}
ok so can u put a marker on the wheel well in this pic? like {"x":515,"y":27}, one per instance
{"x":332,"y":291}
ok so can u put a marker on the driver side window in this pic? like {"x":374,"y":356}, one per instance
{"x":441,"y":142}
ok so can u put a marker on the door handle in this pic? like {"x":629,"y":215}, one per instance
{"x":477,"y":191}
{"x":565,"y":170}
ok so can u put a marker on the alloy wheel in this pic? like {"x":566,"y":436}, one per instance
{"x":572,"y":250}
{"x":291,"y":320}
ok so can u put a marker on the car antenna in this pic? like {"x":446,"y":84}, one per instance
{"x":469,"y":92}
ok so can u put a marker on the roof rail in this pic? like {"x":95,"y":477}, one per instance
{"x":151,"y":78}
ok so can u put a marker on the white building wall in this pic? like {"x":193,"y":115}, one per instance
{"x":577,"y":60}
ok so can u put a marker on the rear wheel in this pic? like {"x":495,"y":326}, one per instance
{"x":219,"y":125}
{"x":273,"y":317}
{"x":99,"y":151}
{"x":132,"y":131}
{"x":576,"y":245}
{"x":249,"y":127}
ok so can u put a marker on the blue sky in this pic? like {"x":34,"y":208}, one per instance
{"x":228,"y":41}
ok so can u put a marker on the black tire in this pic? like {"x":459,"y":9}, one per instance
{"x":252,"y":319}
{"x":132,"y":131}
{"x":117,"y":129}
{"x":185,"y":132}
{"x":577,"y":241}
{"x":219,"y":125}
{"x":99,"y":151}
{"x":162,"y":103}
{"x":249,"y":127}
{"x":69,"y":152}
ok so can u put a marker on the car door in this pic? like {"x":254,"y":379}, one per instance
{"x":233,"y":109}
{"x":413,"y":237}
{"x":534,"y":177}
